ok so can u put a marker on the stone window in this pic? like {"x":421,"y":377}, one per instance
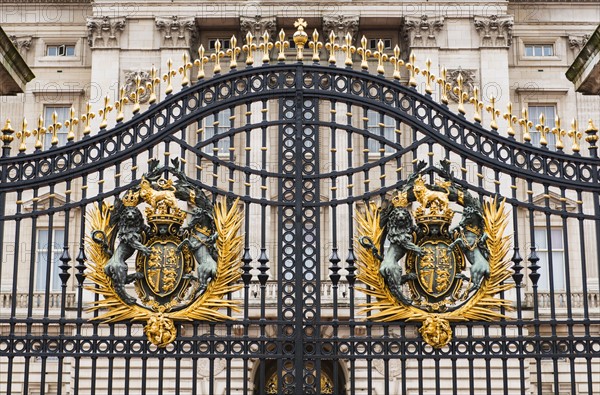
{"x":549,"y":246}
{"x":48,"y":252}
{"x":216,"y":124}
{"x":549,"y":111}
{"x":225,"y":43}
{"x":539,"y":50}
{"x":60,"y":50}
{"x":387,"y":43}
{"x":380,"y":125}
{"x":62,"y":115}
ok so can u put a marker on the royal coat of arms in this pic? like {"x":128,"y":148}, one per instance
{"x":431,"y":271}
{"x":180,"y":272}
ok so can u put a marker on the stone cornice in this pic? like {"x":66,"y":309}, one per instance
{"x":104,"y":32}
{"x":176,"y":31}
{"x":258,"y":25}
{"x":13,"y":64}
{"x":494,"y":31}
{"x":422,"y":31}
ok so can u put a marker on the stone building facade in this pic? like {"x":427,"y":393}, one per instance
{"x":515,"y":51}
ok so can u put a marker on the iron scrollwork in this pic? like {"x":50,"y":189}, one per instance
{"x":177,"y":269}
{"x":434,"y":288}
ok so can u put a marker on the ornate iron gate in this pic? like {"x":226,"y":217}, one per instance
{"x":305,"y":148}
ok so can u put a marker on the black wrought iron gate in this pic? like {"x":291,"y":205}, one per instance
{"x":304,"y":147}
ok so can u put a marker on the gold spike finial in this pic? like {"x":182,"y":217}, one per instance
{"x":22,"y":135}
{"x":543,"y":130}
{"x":135,"y":95}
{"x":168,"y":76}
{"x":591,"y":125}
{"x":477,"y":104}
{"x":491,"y":108}
{"x":200,"y":62}
{"x":559,"y":133}
{"x":120,"y":104}
{"x":39,"y":133}
{"x":233,"y":53}
{"x":300,"y":38}
{"x":396,"y":61}
{"x":512,"y":120}
{"x":152,"y":84}
{"x":332,"y":46}
{"x":249,"y":48}
{"x":526,"y":124}
{"x":348,"y":49}
{"x":86,"y":118}
{"x":414,"y":70}
{"x":216,"y":57}
{"x":281,"y":45}
{"x":70,"y":125}
{"x":54,"y":129}
{"x":462,"y":95}
{"x":265,"y":46}
{"x":444,"y":85}
{"x":575,"y":135}
{"x":429,"y":77}
{"x":104,"y":112}
{"x":380,"y":56}
{"x":183,"y":69}
{"x":364,"y":53}
{"x":316,"y":45}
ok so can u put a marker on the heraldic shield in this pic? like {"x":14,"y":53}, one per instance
{"x":432,"y":272}
{"x":178,"y":268}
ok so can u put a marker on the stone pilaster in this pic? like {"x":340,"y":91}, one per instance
{"x":494,"y":31}
{"x":104,"y":32}
{"x":21,"y":43}
{"x":340,"y":25}
{"x":422,"y":32}
{"x":176,"y":32}
{"x":578,"y":42}
{"x":257,"y":26}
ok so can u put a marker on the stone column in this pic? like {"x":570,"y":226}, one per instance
{"x":341,"y":25}
{"x":104,"y":34}
{"x":176,"y":34}
{"x":422,"y":33}
{"x":257,"y":26}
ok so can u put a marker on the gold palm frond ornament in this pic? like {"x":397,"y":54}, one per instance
{"x":180,"y":274}
{"x":433,"y":289}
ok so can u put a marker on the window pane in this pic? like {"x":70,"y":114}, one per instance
{"x":548,"y":50}
{"x":528,"y":50}
{"x":541,"y":239}
{"x":537,"y":50}
{"x":70,"y":50}
{"x":52,"y":50}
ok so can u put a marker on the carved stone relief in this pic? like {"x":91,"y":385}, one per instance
{"x":422,"y":32}
{"x":104,"y":32}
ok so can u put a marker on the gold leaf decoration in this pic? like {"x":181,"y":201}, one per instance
{"x":159,"y":328}
{"x":484,"y":305}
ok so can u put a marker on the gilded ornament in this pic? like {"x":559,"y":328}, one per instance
{"x":431,"y":273}
{"x":181,"y":273}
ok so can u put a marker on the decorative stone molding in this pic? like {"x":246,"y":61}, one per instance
{"x":469,"y":77}
{"x":176,"y":31}
{"x":422,"y":32}
{"x":258,"y":25}
{"x":130,"y":85}
{"x":204,"y":368}
{"x":578,"y":42}
{"x":21,"y":43}
{"x":104,"y":32}
{"x":394,"y":368}
{"x":340,"y":25}
{"x":495,"y":31}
